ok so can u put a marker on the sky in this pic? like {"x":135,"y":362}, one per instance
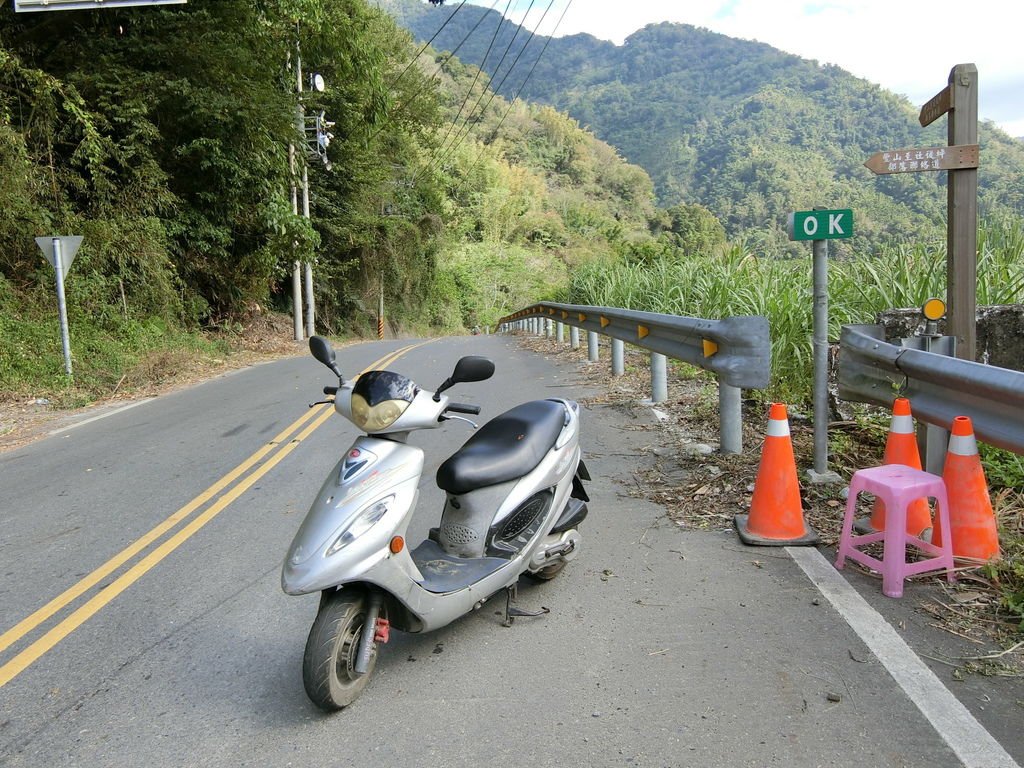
{"x":906,"y":46}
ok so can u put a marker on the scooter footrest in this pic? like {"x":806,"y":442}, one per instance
{"x":446,"y":573}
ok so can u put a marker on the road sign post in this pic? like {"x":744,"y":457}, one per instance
{"x":820,"y":226}
{"x":60,"y":252}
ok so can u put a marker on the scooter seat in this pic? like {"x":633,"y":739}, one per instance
{"x":507,"y":447}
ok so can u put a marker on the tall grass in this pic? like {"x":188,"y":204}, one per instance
{"x":742,"y":282}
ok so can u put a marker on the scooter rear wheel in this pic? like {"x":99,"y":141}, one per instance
{"x":328,"y":665}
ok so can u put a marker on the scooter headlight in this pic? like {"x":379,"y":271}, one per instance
{"x":360,"y":524}
{"x":374,"y":418}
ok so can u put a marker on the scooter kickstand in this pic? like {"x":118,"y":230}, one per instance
{"x":512,"y":611}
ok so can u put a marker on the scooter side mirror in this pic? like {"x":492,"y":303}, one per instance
{"x":322,"y":350}
{"x":469,"y":368}
{"x":472,"y":368}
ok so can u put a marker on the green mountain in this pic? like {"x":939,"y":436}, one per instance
{"x":745,"y":129}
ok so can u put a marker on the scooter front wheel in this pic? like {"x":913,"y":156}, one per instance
{"x":328,"y":665}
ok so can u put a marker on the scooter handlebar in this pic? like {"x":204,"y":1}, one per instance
{"x":331,"y":390}
{"x":463,"y":408}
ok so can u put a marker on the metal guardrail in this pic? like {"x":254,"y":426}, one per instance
{"x":939,"y":387}
{"x":737,"y":349}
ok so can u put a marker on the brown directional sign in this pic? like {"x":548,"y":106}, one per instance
{"x":924,"y":159}
{"x":937,"y":106}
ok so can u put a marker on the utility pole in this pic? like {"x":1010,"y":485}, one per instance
{"x":296,"y":266}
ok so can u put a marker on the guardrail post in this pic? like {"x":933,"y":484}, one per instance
{"x":659,"y":378}
{"x":549,"y":328}
{"x":592,"y":346}
{"x":730,"y":416}
{"x":560,"y":332}
{"x":618,"y":357}
{"x":574,"y":337}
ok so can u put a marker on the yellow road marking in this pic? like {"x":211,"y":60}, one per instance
{"x":27,"y":625}
{"x":23,"y":660}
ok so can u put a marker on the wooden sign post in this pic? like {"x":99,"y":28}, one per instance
{"x":960,"y":158}
{"x":962,"y":222}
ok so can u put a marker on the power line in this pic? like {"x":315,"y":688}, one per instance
{"x":451,"y":54}
{"x":547,"y":42}
{"x":455,"y":50}
{"x":443,"y":153}
{"x":421,"y":50}
{"x":495,"y":89}
{"x":479,"y":70}
{"x":535,"y":63}
{"x":460,"y":137}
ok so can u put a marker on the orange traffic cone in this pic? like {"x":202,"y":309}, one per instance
{"x":776,"y":515}
{"x":971,"y":521}
{"x":901,"y":448}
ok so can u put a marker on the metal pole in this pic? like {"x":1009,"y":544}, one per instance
{"x":560,"y":332}
{"x":296,"y":276}
{"x":310,"y":310}
{"x":297,"y":298}
{"x":618,"y":357}
{"x":62,"y":307}
{"x":592,"y":346}
{"x":821,"y":473}
{"x":731,"y":418}
{"x":659,"y":378}
{"x":936,"y":438}
{"x":310,"y":306}
{"x":574,"y":337}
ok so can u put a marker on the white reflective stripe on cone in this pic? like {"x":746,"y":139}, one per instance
{"x":778,"y":428}
{"x":902,"y":425}
{"x":963,"y":445}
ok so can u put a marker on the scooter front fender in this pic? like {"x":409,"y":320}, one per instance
{"x":310,"y":566}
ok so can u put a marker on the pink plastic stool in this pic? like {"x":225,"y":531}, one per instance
{"x":897,"y":486}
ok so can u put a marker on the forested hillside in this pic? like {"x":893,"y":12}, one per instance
{"x":162,"y":136}
{"x":741,"y":127}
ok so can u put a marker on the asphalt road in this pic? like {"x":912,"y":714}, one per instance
{"x":144,"y":623}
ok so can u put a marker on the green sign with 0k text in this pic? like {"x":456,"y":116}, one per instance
{"x":821,"y":225}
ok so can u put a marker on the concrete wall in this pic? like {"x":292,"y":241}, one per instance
{"x":1000,"y":332}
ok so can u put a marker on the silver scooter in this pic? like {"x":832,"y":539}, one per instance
{"x":514,"y":498}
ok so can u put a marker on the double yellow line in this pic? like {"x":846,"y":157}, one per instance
{"x":236,"y":482}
